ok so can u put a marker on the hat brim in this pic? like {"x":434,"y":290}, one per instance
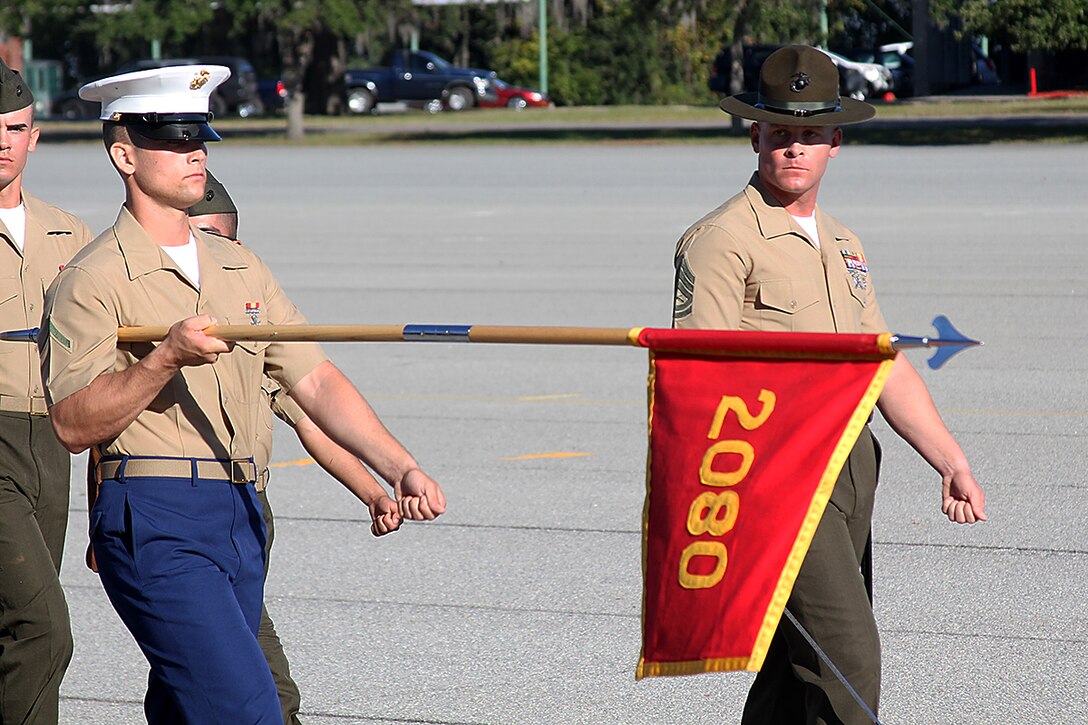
{"x":743,"y":105}
{"x":174,"y":132}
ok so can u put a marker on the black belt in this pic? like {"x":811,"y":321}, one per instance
{"x":237,"y":470}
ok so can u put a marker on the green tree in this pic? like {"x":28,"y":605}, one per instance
{"x":750,"y":22}
{"x":311,"y":37}
{"x":644,"y":51}
{"x":117,"y":32}
{"x":1043,"y":25}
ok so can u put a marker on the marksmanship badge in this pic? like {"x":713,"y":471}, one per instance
{"x":856,"y":266}
{"x":253,"y":309}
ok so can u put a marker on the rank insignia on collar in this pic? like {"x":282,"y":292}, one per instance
{"x":253,"y":309}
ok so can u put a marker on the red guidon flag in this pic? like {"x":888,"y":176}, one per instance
{"x":748,"y":432}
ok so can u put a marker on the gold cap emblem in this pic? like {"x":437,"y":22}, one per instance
{"x":199,"y":80}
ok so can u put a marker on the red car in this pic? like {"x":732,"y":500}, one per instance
{"x":513,"y":97}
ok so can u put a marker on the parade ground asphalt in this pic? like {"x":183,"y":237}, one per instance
{"x":521,"y":605}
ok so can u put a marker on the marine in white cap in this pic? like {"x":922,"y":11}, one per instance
{"x":176,"y":527}
{"x":136,"y":100}
{"x":36,"y":240}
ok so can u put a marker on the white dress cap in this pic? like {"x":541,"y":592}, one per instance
{"x":170,"y":90}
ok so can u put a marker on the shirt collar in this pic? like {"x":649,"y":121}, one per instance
{"x":771,"y":217}
{"x":142,"y":255}
{"x":138,"y":249}
{"x":36,"y":212}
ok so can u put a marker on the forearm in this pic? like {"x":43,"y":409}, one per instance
{"x":337,"y":408}
{"x":107,"y":406}
{"x":907,"y":406}
{"x":339,"y":463}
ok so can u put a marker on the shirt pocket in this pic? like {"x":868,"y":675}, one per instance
{"x":249,"y":367}
{"x":860,"y":287}
{"x":252,"y":347}
{"x":9,"y":289}
{"x":788,"y":296}
{"x":11,"y":310}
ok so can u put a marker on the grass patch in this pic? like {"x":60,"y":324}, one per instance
{"x":936,"y":121}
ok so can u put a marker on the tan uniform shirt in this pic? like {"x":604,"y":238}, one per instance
{"x":53,"y":236}
{"x":124,"y":279}
{"x":747,"y":265}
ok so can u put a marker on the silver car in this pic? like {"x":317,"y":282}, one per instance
{"x":861,"y":80}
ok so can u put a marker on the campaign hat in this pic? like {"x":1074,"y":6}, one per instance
{"x":15,"y":94}
{"x":216,"y":200}
{"x":163,"y":104}
{"x":798,"y":86}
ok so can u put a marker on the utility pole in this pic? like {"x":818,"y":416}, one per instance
{"x":543,"y":8}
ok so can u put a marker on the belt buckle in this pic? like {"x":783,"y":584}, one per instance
{"x":239,"y":471}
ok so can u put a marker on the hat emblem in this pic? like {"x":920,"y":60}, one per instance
{"x":200,"y":80}
{"x":799,"y":82}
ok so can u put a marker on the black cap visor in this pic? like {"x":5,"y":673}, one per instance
{"x":174,"y":127}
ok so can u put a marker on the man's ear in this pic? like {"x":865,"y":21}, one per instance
{"x":753,"y":135}
{"x":122,"y":156}
{"x":836,"y":141}
{"x":34,"y":133}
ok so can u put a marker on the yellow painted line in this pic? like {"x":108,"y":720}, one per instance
{"x":297,"y":462}
{"x":568,"y":398}
{"x":556,"y":454}
{"x":557,"y":396}
{"x":1048,"y":413}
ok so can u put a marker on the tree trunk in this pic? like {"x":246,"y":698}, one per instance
{"x":296,"y":52}
{"x":296,"y":127}
{"x":736,"y":67}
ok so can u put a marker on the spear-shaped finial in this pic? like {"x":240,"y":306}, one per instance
{"x":948,"y":342}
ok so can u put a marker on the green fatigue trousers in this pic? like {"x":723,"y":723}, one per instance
{"x":290,"y":699}
{"x":829,"y":599}
{"x":35,"y":632}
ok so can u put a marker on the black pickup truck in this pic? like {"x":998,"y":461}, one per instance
{"x":416,"y":75}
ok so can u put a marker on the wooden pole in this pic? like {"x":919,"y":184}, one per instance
{"x":401,"y":333}
{"x":949,"y":340}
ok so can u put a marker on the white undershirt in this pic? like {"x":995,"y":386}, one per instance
{"x":185,"y":257}
{"x":15,"y":221}
{"x":808,"y":223}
